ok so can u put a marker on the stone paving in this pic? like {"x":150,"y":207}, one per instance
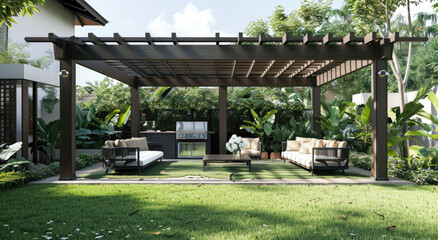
{"x":203,"y":180}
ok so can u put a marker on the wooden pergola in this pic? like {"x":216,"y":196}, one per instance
{"x":225,"y":61}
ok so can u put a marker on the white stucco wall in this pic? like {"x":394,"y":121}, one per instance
{"x":52,"y":18}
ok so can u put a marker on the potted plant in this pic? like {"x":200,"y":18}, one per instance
{"x":262,"y":126}
{"x":279,"y":134}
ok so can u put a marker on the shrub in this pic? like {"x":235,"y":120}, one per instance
{"x":411,"y":169}
{"x":37,"y":172}
{"x":85,"y":160}
{"x":11,"y":180}
{"x":360,"y":160}
{"x":54,"y":167}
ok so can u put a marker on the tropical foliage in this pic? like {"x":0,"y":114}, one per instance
{"x":11,"y":8}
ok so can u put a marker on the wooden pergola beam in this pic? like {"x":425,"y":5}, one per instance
{"x":227,"y":81}
{"x":341,"y":70}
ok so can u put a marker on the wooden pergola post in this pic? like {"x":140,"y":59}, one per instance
{"x":25,"y":118}
{"x":135,"y":111}
{"x":222,"y":119}
{"x":68,"y":121}
{"x":379,"y":119}
{"x":35,"y":122}
{"x":316,"y":108}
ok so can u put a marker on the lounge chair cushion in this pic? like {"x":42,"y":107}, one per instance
{"x":331,"y":143}
{"x":141,"y":143}
{"x":110,"y":144}
{"x":317,"y":143}
{"x":120,"y":143}
{"x":303,"y":139}
{"x":306,"y":159}
{"x":250,"y":152}
{"x":253,"y":143}
{"x":293,"y":145}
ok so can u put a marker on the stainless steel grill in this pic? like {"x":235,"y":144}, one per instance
{"x":191,"y":137}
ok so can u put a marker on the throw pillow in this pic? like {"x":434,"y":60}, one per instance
{"x":342,"y":144}
{"x":109,"y":144}
{"x":306,"y":148}
{"x":332,"y":143}
{"x":253,"y":143}
{"x":293,"y":145}
{"x":317,"y":143}
{"x":120,"y":143}
{"x":303,"y":139}
{"x":141,"y":143}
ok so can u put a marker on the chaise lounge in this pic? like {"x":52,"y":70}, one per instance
{"x":134,"y":153}
{"x":316,"y":154}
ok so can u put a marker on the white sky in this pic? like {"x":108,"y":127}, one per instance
{"x":187,"y":18}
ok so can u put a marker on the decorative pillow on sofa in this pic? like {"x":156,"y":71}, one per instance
{"x":141,"y":143}
{"x":317,"y":143}
{"x":120,"y":143}
{"x":303,"y":139}
{"x":293,"y":145}
{"x":332,"y":143}
{"x":342,"y":144}
{"x":253,"y":143}
{"x":110,"y":144}
{"x":306,"y":148}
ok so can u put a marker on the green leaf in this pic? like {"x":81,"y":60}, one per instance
{"x":111,"y":115}
{"x":269,"y":117}
{"x":365,"y":117}
{"x":422,"y":93}
{"x":250,"y":129}
{"x":429,"y":116}
{"x":268,"y":129}
{"x":415,"y":150}
{"x":411,"y":108}
{"x":433,"y":99}
{"x":395,"y":139}
{"x":422,"y":133}
{"x":123,"y":117}
{"x":256,"y":117}
{"x":392,"y":153}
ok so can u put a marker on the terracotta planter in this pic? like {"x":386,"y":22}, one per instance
{"x":265,"y":155}
{"x":275,"y":155}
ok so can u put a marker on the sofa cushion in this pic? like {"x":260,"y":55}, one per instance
{"x":303,"y":139}
{"x":332,"y":143}
{"x":306,"y":159}
{"x":110,"y":144}
{"x":250,"y":152}
{"x":317,"y":143}
{"x":146,"y":157}
{"x":120,"y":143}
{"x":306,"y":147}
{"x":293,"y":145}
{"x":342,"y":144}
{"x":140,"y":142}
{"x":253,"y":143}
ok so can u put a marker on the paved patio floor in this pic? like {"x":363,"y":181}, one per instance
{"x":202,"y":180}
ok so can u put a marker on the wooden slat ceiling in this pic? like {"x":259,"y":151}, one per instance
{"x":150,"y":69}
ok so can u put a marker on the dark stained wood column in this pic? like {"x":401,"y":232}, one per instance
{"x":379,"y":119}
{"x":68,"y":121}
{"x":222,"y":119}
{"x":135,"y":111}
{"x":35,"y":122}
{"x":25,"y":119}
{"x":316,"y":108}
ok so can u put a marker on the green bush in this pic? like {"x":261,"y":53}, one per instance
{"x":360,"y":160}
{"x":411,"y":169}
{"x":54,"y":167}
{"x":37,"y":172}
{"x":11,"y":180}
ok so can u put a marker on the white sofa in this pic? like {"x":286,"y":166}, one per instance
{"x":316,"y":154}
{"x":134,"y":153}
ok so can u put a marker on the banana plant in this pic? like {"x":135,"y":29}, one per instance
{"x":261,"y":125}
{"x":360,"y":131}
{"x":48,"y":139}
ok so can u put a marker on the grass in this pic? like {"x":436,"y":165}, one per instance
{"x":273,"y":169}
{"x":11,"y":180}
{"x":219,"y":212}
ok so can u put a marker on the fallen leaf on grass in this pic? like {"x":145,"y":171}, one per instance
{"x":335,"y":186}
{"x":117,"y":190}
{"x":378,"y":214}
{"x":199,"y":185}
{"x":207,"y":220}
{"x":153,"y":200}
{"x":136,"y":211}
{"x":170,"y":235}
{"x":157,"y":233}
{"x":342,"y":217}
{"x":163,"y":171}
{"x":228,"y":213}
{"x":350,"y":202}
{"x":257,"y":238}
{"x":390,"y":228}
{"x":190,"y":221}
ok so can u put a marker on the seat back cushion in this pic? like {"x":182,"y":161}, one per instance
{"x":303,"y":139}
{"x":306,"y":147}
{"x":293,"y":145}
{"x":120,"y":143}
{"x":141,"y":143}
{"x":253,"y":143}
{"x":317,"y":143}
{"x":110,"y":144}
{"x":332,"y":143}
{"x":342,"y":144}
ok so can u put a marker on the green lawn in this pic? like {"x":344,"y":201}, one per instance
{"x":219,"y":212}
{"x":273,"y":169}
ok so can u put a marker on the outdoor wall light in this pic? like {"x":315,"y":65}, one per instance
{"x":64,"y":73}
{"x":382,"y":73}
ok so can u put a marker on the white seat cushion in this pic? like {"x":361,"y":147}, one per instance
{"x":306,"y":159}
{"x":249,"y":152}
{"x":146,"y":157}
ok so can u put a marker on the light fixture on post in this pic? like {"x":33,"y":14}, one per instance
{"x":382,"y":73}
{"x":64,"y":73}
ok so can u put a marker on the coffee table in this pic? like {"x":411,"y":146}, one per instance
{"x":225,"y":158}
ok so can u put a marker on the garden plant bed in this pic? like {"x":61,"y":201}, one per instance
{"x":261,"y":169}
{"x":220,"y":212}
